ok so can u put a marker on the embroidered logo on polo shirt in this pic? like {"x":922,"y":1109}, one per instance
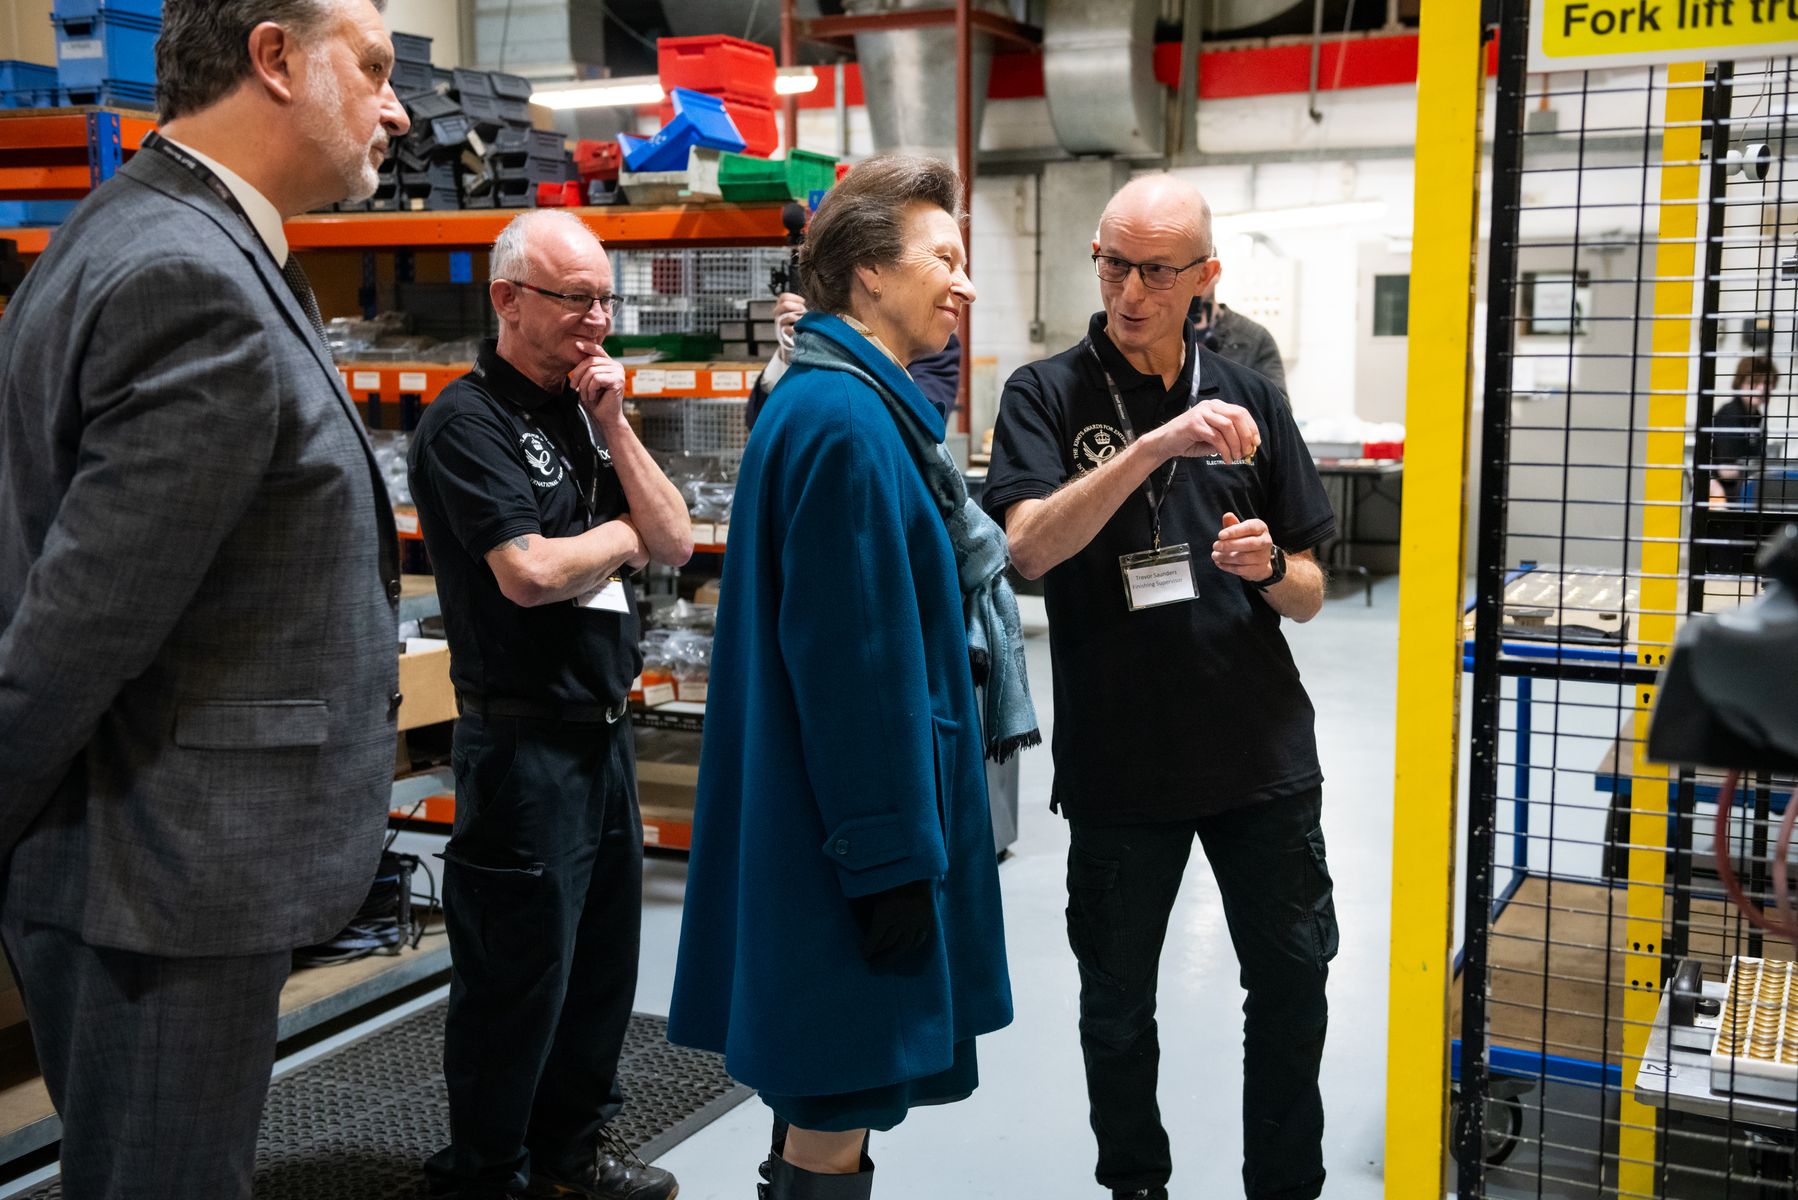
{"x":540,"y":458}
{"x":1094,"y":446}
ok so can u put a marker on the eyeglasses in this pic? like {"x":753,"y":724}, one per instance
{"x":576,"y":302}
{"x":1154,"y":275}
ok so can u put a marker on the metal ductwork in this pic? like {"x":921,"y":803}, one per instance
{"x":908,"y":78}
{"x":1099,"y":76}
{"x":540,"y":39}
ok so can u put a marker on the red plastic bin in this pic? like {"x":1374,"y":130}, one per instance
{"x":717,"y":65}
{"x":758,"y":123}
{"x":598,"y":160}
{"x":1387,"y":450}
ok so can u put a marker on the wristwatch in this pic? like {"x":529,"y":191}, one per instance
{"x":1278,"y":562}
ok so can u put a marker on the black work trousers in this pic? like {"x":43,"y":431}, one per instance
{"x":1270,"y":868}
{"x":543,"y":897}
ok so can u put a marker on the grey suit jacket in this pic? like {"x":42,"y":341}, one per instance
{"x":198,"y":581}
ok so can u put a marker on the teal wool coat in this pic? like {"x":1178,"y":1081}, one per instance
{"x":842,"y":757}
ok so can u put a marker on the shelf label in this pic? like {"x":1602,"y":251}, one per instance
{"x":405,"y":522}
{"x":702,"y":533}
{"x":751,"y":378}
{"x":693,"y":692}
{"x":652,"y":834}
{"x":366,"y":381}
{"x":412,"y":381}
{"x":649,"y":383}
{"x":91,"y":48}
{"x":727,"y":382}
{"x":681,"y":381}
{"x":720,"y":534}
{"x":657,"y":693}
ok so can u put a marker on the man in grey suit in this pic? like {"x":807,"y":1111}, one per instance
{"x":198,"y":581}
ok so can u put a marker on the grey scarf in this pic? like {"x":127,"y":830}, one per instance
{"x":995,"y":633}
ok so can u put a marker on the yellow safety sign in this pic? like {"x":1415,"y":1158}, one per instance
{"x":1588,"y":35}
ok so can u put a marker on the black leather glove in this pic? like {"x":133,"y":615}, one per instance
{"x":896,"y":923}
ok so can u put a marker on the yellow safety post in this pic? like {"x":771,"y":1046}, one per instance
{"x":1675,"y":315}
{"x":1450,"y":86}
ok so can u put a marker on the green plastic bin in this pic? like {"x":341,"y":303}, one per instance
{"x":675,"y":347}
{"x":795,"y":177}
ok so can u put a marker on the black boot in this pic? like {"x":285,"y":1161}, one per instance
{"x":777,"y":1146}
{"x":788,"y":1182}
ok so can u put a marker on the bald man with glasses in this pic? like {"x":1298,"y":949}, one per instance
{"x":538,"y":505}
{"x":1164,"y":496}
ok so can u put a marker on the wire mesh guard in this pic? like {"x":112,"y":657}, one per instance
{"x":688,"y":291}
{"x":1638,"y":444}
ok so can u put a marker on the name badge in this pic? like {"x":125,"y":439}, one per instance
{"x":610,"y":598}
{"x":1156,"y":577}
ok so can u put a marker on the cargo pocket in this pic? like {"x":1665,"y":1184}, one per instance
{"x":1323,"y":901}
{"x":494,"y":906}
{"x":1095,"y":926}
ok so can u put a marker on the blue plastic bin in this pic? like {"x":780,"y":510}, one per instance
{"x":111,"y":93}
{"x":18,"y":214}
{"x":699,"y":120}
{"x":29,"y":98}
{"x":16,"y":76}
{"x":65,"y":9}
{"x":111,"y":46}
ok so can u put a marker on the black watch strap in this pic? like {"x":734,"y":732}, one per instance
{"x":1278,"y":562}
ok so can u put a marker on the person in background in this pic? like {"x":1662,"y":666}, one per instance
{"x":1241,"y":339}
{"x":1738,"y":429}
{"x":842,"y":943}
{"x":1179,"y":713}
{"x":937,"y":374}
{"x":537,"y":502}
{"x":199,"y":581}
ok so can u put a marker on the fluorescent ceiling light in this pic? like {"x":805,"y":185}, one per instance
{"x":631,"y":92}
{"x":792,"y":81}
{"x":1308,"y":217}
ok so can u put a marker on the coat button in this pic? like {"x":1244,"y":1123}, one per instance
{"x":393,"y":590}
{"x":393,"y":704}
{"x":842,"y":847}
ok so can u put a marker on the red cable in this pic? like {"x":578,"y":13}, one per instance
{"x":1726,"y":870}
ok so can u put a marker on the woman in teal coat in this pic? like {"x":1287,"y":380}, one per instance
{"x":842,"y":942}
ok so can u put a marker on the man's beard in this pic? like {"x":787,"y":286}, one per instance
{"x":321,"y":115}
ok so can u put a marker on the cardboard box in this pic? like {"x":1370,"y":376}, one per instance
{"x":425,"y":687}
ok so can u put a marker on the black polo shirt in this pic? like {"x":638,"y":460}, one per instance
{"x":1187,"y":709}
{"x":495,"y":457}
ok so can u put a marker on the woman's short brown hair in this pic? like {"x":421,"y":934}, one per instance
{"x":860,"y":221}
{"x":1756,"y":367}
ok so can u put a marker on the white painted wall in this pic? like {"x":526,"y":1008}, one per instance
{"x":435,"y":19}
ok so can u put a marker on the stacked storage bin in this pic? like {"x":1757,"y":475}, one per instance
{"x":26,"y":85}
{"x":737,"y":72}
{"x":106,"y":51}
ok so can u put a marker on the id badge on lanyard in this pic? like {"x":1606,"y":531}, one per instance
{"x":609,"y":596}
{"x":1161,"y":574}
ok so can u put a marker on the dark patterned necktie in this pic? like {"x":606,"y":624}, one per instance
{"x":296,"y":279}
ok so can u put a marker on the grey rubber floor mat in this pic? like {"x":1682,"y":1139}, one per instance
{"x":358,"y":1123}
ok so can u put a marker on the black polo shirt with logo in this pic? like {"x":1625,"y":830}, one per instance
{"x":496,"y":457}
{"x":1192,"y":708}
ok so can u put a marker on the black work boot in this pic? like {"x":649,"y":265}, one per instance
{"x":614,"y":1173}
{"x":788,"y":1182}
{"x":777,"y":1146}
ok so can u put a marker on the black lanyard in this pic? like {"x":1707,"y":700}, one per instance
{"x":589,"y":494}
{"x":206,"y":175}
{"x":1129,"y":430}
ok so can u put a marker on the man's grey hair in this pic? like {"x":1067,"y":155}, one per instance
{"x":511,"y":259}
{"x":204,"y":50}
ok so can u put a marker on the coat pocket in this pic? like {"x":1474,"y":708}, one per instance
{"x":251,"y":724}
{"x":943,"y":737}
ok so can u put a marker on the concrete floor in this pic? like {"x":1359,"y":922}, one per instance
{"x":1025,"y":1133}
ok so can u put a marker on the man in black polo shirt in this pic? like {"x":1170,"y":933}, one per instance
{"x":1167,"y":499}
{"x":537,"y":501}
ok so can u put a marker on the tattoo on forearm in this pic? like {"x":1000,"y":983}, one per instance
{"x":521,"y":542}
